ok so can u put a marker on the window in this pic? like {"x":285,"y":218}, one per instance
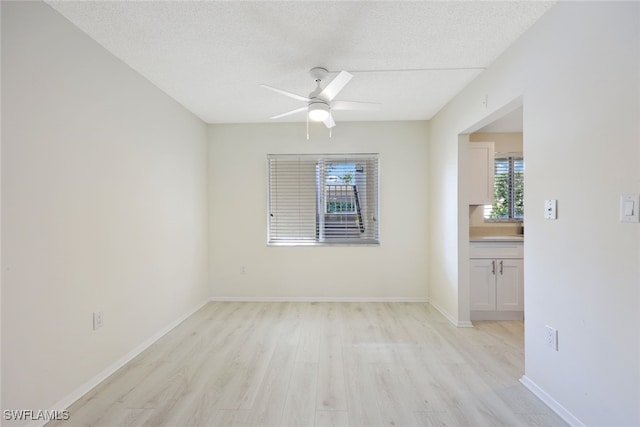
{"x":508,"y":190}
{"x":323,"y":199}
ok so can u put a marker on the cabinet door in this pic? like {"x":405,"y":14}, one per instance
{"x":483,"y":284}
{"x":510,"y":285}
{"x":481,"y":171}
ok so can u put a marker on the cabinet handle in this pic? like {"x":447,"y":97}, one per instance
{"x":493,"y":267}
{"x":501,"y":267}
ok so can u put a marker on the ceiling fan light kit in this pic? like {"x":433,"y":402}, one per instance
{"x":318,"y":111}
{"x":320,"y":101}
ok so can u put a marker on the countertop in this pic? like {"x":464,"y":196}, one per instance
{"x":507,"y":238}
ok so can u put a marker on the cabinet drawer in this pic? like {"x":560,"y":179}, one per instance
{"x":498,"y":250}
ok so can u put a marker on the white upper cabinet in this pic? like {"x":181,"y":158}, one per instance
{"x":481,"y":164}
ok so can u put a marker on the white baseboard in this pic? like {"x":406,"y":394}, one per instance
{"x":455,"y":322}
{"x":318,"y":299}
{"x":556,"y":407}
{"x":86,"y":387}
{"x":464,"y":324}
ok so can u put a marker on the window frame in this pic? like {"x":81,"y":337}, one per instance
{"x":368,"y":215}
{"x":512,"y":159}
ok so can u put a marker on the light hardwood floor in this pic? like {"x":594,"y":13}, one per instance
{"x":321,"y":364}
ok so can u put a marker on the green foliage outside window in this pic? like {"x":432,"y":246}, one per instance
{"x":508,"y":189}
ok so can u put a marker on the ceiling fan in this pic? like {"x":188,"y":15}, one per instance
{"x":320,"y":102}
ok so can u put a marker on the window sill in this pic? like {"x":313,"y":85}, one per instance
{"x":504,"y":221}
{"x":325,"y":243}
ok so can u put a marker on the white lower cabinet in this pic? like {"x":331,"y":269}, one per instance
{"x":497,"y":284}
{"x":510,"y":285}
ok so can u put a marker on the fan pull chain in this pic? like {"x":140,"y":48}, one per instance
{"x":307,"y":127}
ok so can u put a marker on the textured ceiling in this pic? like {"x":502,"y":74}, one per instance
{"x":212,"y":56}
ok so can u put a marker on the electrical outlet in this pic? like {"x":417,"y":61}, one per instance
{"x":98,"y":320}
{"x":551,"y":337}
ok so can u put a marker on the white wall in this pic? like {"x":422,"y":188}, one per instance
{"x":578,"y":73}
{"x":238,"y":219}
{"x":444,"y":234}
{"x":103,"y":208}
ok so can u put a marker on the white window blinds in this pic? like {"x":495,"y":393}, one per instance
{"x":508,"y":189}
{"x":323,"y":199}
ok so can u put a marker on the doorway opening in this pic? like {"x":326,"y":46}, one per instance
{"x":492,"y":164}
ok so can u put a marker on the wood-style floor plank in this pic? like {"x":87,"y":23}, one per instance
{"x":300,"y":406}
{"x":332,"y":419}
{"x":321,"y":364}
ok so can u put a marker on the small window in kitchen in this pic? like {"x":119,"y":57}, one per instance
{"x":508,"y":190}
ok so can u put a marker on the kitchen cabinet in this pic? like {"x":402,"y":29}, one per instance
{"x":496,"y":272}
{"x":481,"y":173}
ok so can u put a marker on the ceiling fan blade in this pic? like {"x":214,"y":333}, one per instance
{"x":289,"y":94}
{"x":288,"y":113}
{"x":336,"y":85}
{"x":328,"y":122}
{"x":354,"y":105}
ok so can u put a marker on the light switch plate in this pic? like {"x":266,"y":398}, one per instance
{"x":550,"y":209}
{"x":630,"y":208}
